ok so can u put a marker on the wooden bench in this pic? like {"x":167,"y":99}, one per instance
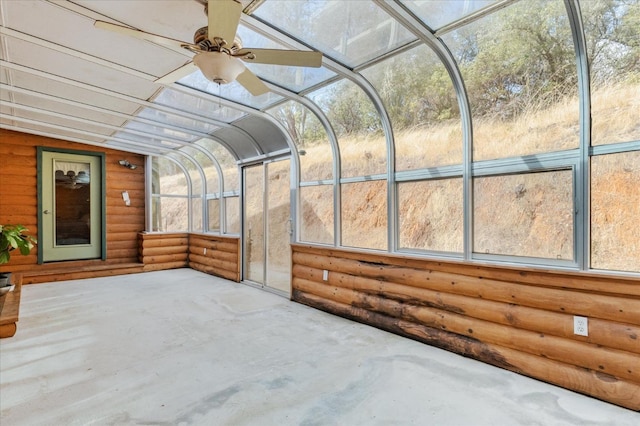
{"x":10,"y":307}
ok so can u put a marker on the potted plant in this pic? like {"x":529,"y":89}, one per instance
{"x":12,"y":237}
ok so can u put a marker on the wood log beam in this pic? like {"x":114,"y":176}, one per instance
{"x":578,"y":280}
{"x":230,"y":275}
{"x":620,"y":364}
{"x":596,"y":384}
{"x":615,"y":308}
{"x":602,"y":332}
{"x":213,"y":262}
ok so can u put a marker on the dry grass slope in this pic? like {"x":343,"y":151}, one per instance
{"x":528,"y":215}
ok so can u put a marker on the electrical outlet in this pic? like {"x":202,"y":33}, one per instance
{"x":325,"y":275}
{"x":580,"y":326}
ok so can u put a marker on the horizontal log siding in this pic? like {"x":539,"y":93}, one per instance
{"x":215,"y":255}
{"x":18,"y":205}
{"x":163,"y":251}
{"x":521,"y":320}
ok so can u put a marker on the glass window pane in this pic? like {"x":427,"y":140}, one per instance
{"x":226,"y":161}
{"x":438,"y":13}
{"x":351,"y":32}
{"x":176,"y":120}
{"x":170,"y":214}
{"x":197,"y":105}
{"x":520,"y":73}
{"x":210,"y":171}
{"x":161,"y":132}
{"x":167,"y":178}
{"x":72,"y":198}
{"x":278,"y":224}
{"x":430,"y":215}
{"x":254,"y":215}
{"x":316,"y":215}
{"x":192,"y":169}
{"x":196,"y":214}
{"x":364,"y":214}
{"x":293,"y":78}
{"x":232,"y":211}
{"x":615,"y":211}
{"x":213,"y":181}
{"x":146,"y":140}
{"x":611,"y":28}
{"x":524,"y":215}
{"x":310,"y":138}
{"x":214,"y":215}
{"x":363,"y":147}
{"x":422,"y":104}
{"x":233,"y":91}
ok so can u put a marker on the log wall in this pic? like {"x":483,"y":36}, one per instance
{"x":212,"y":254}
{"x":159,"y":251}
{"x":18,"y":205}
{"x":216,"y":255}
{"x":520,"y":320}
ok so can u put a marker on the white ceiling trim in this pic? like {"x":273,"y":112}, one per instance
{"x":175,"y":141}
{"x":84,"y":133}
{"x":94,"y":16}
{"x":121,"y":96}
{"x":75,"y":53}
{"x":126,"y":117}
{"x":72,"y":139}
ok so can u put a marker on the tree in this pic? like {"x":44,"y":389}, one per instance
{"x":613,"y":44}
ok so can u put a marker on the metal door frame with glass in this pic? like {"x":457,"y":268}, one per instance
{"x":267,"y":226}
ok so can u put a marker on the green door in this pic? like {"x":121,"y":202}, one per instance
{"x":71,"y":203}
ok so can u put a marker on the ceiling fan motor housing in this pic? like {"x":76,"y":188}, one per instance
{"x":201,"y":38}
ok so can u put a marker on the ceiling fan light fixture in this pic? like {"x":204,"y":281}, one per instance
{"x":218,"y":67}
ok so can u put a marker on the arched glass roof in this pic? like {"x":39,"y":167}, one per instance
{"x":116,"y":72}
{"x":479,"y":98}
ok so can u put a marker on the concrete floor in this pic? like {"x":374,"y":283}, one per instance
{"x":181,"y":347}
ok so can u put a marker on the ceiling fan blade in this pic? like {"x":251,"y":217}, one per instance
{"x":296,"y":58}
{"x":252,"y":83}
{"x":224,"y":17}
{"x":177,"y":74}
{"x":144,"y":36}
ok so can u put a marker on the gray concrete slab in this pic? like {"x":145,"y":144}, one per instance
{"x":181,"y":347}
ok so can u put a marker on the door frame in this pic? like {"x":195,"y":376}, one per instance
{"x":103,"y":196}
{"x":265,"y":208}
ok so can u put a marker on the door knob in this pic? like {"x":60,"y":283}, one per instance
{"x":46,"y":212}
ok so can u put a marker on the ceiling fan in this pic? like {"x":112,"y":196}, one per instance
{"x":219,"y":52}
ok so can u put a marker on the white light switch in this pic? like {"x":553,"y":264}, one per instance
{"x":325,"y":275}
{"x":125,"y":197}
